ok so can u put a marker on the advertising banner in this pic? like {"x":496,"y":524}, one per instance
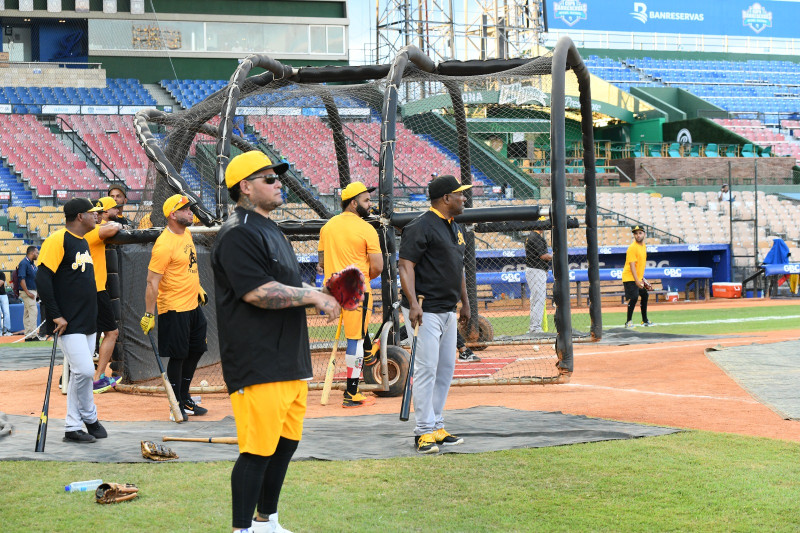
{"x":767,"y":18}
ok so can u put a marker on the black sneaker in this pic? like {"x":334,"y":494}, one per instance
{"x":467,"y":356}
{"x":192,"y":408}
{"x":78,"y":436}
{"x":441,"y":436}
{"x":96,"y":430}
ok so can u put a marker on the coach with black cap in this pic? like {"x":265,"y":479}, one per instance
{"x":66,"y":284}
{"x":432,"y":265}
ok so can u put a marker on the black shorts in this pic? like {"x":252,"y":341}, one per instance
{"x":632,"y":291}
{"x":182,"y":333}
{"x":105,"y":313}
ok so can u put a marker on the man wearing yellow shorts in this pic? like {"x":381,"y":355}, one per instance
{"x":347,"y":239}
{"x":263,"y":338}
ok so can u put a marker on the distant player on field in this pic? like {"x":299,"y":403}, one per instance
{"x":347,"y":239}
{"x":633,"y":276}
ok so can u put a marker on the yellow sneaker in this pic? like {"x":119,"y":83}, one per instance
{"x":441,"y":436}
{"x":426,"y":443}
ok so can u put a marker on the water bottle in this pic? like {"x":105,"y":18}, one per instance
{"x":83,"y":486}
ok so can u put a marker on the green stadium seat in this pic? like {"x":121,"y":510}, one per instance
{"x":712,"y":150}
{"x":695,"y":152}
{"x":674,"y":150}
{"x":747,"y":151}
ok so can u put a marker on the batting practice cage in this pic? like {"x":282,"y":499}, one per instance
{"x":394,"y":126}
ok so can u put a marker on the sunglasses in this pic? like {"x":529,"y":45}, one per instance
{"x":269,"y":180}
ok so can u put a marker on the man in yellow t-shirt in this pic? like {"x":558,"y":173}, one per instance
{"x":173,"y":283}
{"x":636,"y":286}
{"x":106,"y":227}
{"x":347,"y":239}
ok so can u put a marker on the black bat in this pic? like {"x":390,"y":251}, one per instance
{"x":405,"y":405}
{"x":41,"y":434}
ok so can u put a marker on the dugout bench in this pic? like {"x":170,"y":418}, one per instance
{"x":772,"y":274}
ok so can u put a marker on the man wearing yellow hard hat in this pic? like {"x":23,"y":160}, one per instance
{"x":263,"y":337}
{"x":173,"y":284}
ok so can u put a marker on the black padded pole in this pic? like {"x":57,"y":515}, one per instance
{"x":339,"y":140}
{"x":558,"y":212}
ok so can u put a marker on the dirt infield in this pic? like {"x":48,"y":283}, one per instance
{"x":672,"y":384}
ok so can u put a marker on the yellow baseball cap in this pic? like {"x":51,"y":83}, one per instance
{"x":354,"y":189}
{"x":247,"y":164}
{"x":106,"y":202}
{"x":173,"y":203}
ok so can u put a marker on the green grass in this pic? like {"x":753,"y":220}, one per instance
{"x":693,"y":481}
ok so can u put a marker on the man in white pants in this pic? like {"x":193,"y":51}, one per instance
{"x":66,"y":284}
{"x":432,"y":265}
{"x":537,"y":263}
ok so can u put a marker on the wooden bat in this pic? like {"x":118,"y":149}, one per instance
{"x":326,"y":388}
{"x":212,"y":440}
{"x":405,"y":405}
{"x":41,"y":433}
{"x":173,"y":402}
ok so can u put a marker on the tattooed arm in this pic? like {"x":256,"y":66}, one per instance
{"x":274,"y":295}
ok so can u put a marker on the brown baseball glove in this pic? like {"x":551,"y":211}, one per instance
{"x":115,"y":492}
{"x":347,"y":286}
{"x":157,"y":452}
{"x":646,"y":285}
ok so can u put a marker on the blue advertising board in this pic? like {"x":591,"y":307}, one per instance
{"x":766,"y":18}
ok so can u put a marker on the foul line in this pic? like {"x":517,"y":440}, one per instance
{"x":729,"y":320}
{"x":697,"y":396}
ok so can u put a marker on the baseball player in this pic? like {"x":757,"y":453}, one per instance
{"x":636,"y":286}
{"x":432,"y":264}
{"x":347,"y":239}
{"x":173,"y":282}
{"x":107,"y":227}
{"x":537,"y":263}
{"x":68,"y":290}
{"x":263,"y":338}
{"x":119,"y":193}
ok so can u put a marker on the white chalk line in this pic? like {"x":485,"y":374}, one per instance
{"x":672,"y":395}
{"x":728,"y":320}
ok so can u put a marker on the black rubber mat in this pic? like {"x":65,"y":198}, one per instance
{"x":333,"y":439}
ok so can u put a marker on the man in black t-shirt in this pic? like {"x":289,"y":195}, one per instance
{"x":67,"y":287}
{"x":537,"y":263}
{"x":263,"y":337}
{"x":432,"y":265}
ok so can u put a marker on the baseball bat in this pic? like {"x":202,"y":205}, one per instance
{"x":405,"y":405}
{"x":212,"y":440}
{"x":326,"y":388}
{"x":173,"y":402}
{"x":41,"y":433}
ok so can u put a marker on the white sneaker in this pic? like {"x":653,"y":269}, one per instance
{"x":270,"y":526}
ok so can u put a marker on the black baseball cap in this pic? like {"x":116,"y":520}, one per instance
{"x":120,"y":186}
{"x":446,"y":184}
{"x":637,"y":228}
{"x":77,"y":206}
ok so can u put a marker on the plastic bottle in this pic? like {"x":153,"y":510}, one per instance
{"x":83,"y":486}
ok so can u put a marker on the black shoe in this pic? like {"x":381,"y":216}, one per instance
{"x":96,"y":430}
{"x":467,"y":356}
{"x":78,"y":436}
{"x":192,"y":408}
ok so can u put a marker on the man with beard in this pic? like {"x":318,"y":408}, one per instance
{"x":345,"y":240}
{"x":263,"y":338}
{"x":173,"y":282}
{"x":636,"y":286}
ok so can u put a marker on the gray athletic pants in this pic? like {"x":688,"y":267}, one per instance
{"x":434,"y":363}
{"x":537,"y":286}
{"x":78,"y":349}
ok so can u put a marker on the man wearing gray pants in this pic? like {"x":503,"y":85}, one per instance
{"x":432,"y":265}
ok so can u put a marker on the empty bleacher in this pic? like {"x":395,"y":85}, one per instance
{"x":126,"y":91}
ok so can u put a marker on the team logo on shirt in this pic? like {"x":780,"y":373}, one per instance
{"x":461,"y":238}
{"x":81,"y":260}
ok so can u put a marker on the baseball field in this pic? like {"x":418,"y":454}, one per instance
{"x":734,"y":467}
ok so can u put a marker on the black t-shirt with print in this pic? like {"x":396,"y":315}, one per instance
{"x":437,"y":247}
{"x":257,"y":345}
{"x":74,"y":291}
{"x":535,"y":248}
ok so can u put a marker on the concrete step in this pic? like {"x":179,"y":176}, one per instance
{"x":161,"y":95}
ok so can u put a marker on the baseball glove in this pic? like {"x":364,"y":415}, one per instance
{"x":157,"y":452}
{"x":347,"y":286}
{"x":115,"y":492}
{"x":646,"y":285}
